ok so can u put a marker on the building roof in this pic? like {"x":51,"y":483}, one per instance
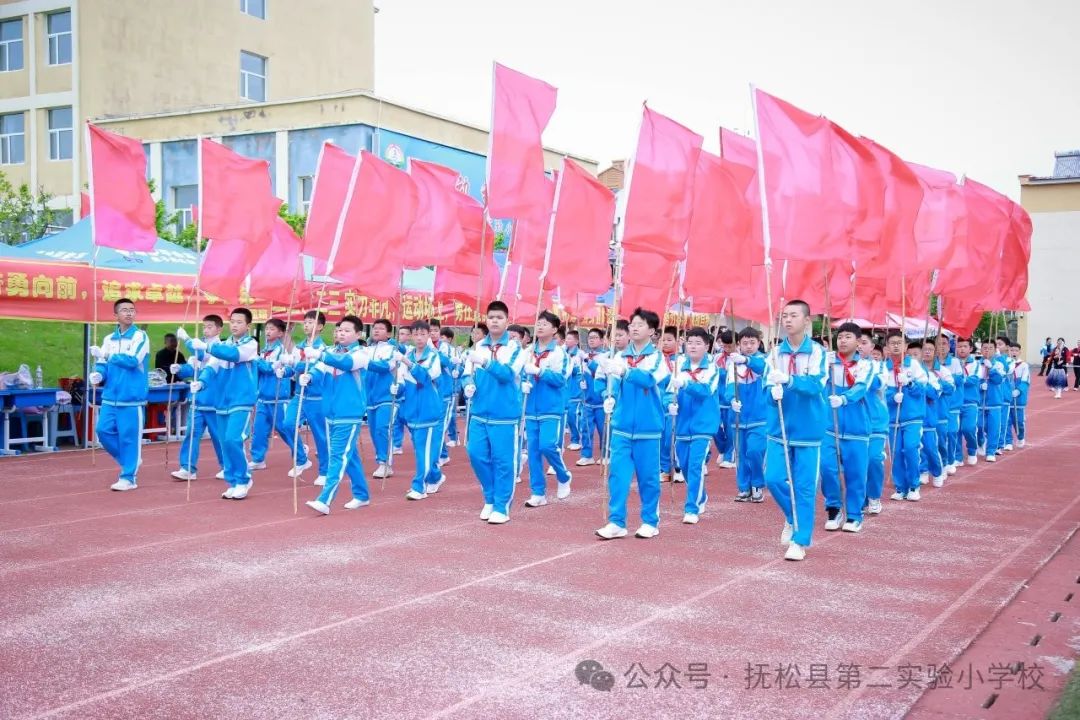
{"x":1066,"y":170}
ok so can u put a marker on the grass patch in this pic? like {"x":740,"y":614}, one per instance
{"x":1068,"y":708}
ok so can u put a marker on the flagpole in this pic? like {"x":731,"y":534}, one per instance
{"x":735,"y":369}
{"x":91,"y":414}
{"x":835,"y":413}
{"x":767,"y":237}
{"x":393,"y":381}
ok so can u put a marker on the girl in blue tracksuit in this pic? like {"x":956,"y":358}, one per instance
{"x":905,"y":390}
{"x":493,"y":384}
{"x":796,"y":378}
{"x":637,"y":378}
{"x":1021,"y":382}
{"x":745,"y":393}
{"x":593,"y":396}
{"x":338,"y":370}
{"x":696,"y":383}
{"x":204,"y":417}
{"x":879,"y":424}
{"x":423,"y":409}
{"x":275,"y":392}
{"x":547,"y":372}
{"x":121,"y":368}
{"x":847,"y":432}
{"x":381,"y":405}
{"x":232,"y":369}
{"x":969,"y":380}
{"x":312,"y":409}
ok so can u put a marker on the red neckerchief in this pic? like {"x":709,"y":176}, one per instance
{"x":634,"y":360}
{"x":669,"y":359}
{"x":896,"y":371}
{"x":721,"y":359}
{"x":849,"y":377}
{"x":749,"y":376}
{"x":793,"y":367}
{"x":964,"y":364}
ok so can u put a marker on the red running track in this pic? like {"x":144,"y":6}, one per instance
{"x":141,"y":604}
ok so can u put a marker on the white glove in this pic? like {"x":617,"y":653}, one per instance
{"x":835,"y":401}
{"x":738,"y":358}
{"x":903,"y":379}
{"x":982,"y":386}
{"x":736,"y":406}
{"x":394,"y":388}
{"x":778,"y":377}
{"x":174,"y":368}
{"x":583,"y":385}
{"x":898,"y":398}
{"x":526,"y":387}
{"x":616,"y":367}
{"x":673,"y":409}
{"x":288,"y":360}
{"x":197,"y":344}
{"x":195,"y":386}
{"x":181,"y":334}
{"x":279,"y":371}
{"x":1016,"y":393}
{"x":95,"y":378}
{"x":479,"y":358}
{"x":532,"y":369}
{"x":304,"y":379}
{"x":455,"y":374}
{"x":98,"y":353}
{"x":678,"y":381}
{"x":609,"y":405}
{"x":778,"y":392}
{"x":312,"y":353}
{"x":470,"y":390}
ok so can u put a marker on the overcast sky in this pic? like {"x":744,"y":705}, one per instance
{"x":989,"y":87}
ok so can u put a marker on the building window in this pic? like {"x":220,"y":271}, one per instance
{"x":254,"y":8}
{"x":306,"y":183}
{"x":185,"y":198}
{"x":60,"y":136}
{"x":12,"y":136}
{"x":11,"y":45}
{"x":252,"y":76}
{"x":59,"y":26}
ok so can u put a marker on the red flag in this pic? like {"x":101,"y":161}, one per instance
{"x":647,"y":298}
{"x":960,"y":316}
{"x":988,"y":222}
{"x":861,"y":188}
{"x":581,"y":234}
{"x":275,"y":275}
{"x":84,"y":205}
{"x":238,"y":201}
{"x":369,"y":250}
{"x":903,"y":199}
{"x":462,"y":280}
{"x":521,"y":292}
{"x":225,"y":264}
{"x":660,"y":187}
{"x":529,"y":233}
{"x":940,"y":230}
{"x":121,"y":206}
{"x":751,"y":301}
{"x":1015,"y":256}
{"x":436,"y":236}
{"x":521,"y":107}
{"x":579,"y":305}
{"x":332,"y":175}
{"x":649,"y":270}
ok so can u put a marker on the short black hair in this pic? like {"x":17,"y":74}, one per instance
{"x":242,"y":311}
{"x":320,"y":318}
{"x":170,"y":335}
{"x":671,"y":330}
{"x":515,"y":328}
{"x":698,"y":332}
{"x":1017,"y":345}
{"x":551,"y":318}
{"x":895,"y":333}
{"x":726,"y":337}
{"x":497,"y":306}
{"x":915,"y":345}
{"x":964,"y":340}
{"x":801,"y":303}
{"x":575,"y":333}
{"x":356,"y":322}
{"x":561,"y":332}
{"x":482,"y":327}
{"x":749,"y":332}
{"x":447,"y":333}
{"x":879,"y":347}
{"x":849,"y":327}
{"x":623,"y":325}
{"x":122,"y":301}
{"x":599,"y":331}
{"x":651,"y":319}
{"x":385,"y":323}
{"x":279,"y":324}
{"x":406,"y":328}
{"x":435,"y":323}
{"x":422,"y":325}
{"x":216,"y":319}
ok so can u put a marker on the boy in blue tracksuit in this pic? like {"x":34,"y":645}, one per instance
{"x":1005,"y":357}
{"x":547,"y":372}
{"x":637,"y":377}
{"x":745,"y":393}
{"x":669,"y":348}
{"x":273,"y":364}
{"x":696,"y":382}
{"x":232,"y":369}
{"x":879,"y":423}
{"x":725,"y":435}
{"x":970,"y":380}
{"x":1021,"y":382}
{"x":931,"y":462}
{"x":575,"y":393}
{"x":992,"y":376}
{"x":314,"y":322}
{"x":451,"y":371}
{"x":592,"y":425}
{"x":493,"y":385}
{"x":403,"y":343}
{"x":950,"y":366}
{"x":204,"y":417}
{"x":381,"y":404}
{"x":847,"y":434}
{"x":905,"y":391}
{"x":338,"y":371}
{"x":795,"y":381}
{"x":423,"y":409}
{"x":121,"y":366}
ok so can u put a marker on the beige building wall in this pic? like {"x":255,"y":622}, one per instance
{"x":16,"y":83}
{"x":53,"y":175}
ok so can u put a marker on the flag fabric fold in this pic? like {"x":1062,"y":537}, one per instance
{"x":122,"y":210}
{"x":581,"y":234}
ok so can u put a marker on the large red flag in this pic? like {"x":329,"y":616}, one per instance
{"x":436,"y":236}
{"x":529,"y":233}
{"x":899,"y":253}
{"x":472,"y":273}
{"x":521,"y":107}
{"x":275,"y":276}
{"x":660,"y":187}
{"x":751,"y":301}
{"x":1015,"y":256}
{"x":238,"y":201}
{"x":121,"y":206}
{"x":225,"y":265}
{"x":940,"y":230}
{"x":578,"y":256}
{"x":988,"y":222}
{"x":369,"y":250}
{"x":332,"y":175}
{"x":861,"y":188}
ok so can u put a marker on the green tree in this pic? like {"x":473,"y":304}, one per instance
{"x":296,"y":221}
{"x":24,"y":214}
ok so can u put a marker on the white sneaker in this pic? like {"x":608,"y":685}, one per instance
{"x":611,"y":531}
{"x":1021,"y":443}
{"x":442,"y":461}
{"x":795,"y":552}
{"x":220,"y":475}
{"x":383,"y":471}
{"x":319,"y":481}
{"x":497,"y":518}
{"x":485,"y":512}
{"x":972,"y":459}
{"x":413,"y":495}
{"x":1008,"y":447}
{"x":836,"y":521}
{"x":550,"y":470}
{"x":241,"y":491}
{"x":991,"y":458}
{"x":183,"y":474}
{"x":705,"y":469}
{"x":399,"y":451}
{"x":786,"y":533}
{"x":950,"y":469}
{"x":433,"y":488}
{"x":664,"y":477}
{"x":690,"y":519}
{"x":256,"y":466}
{"x":535,"y":501}
{"x":517,"y":480}
{"x":913,"y":495}
{"x":318,"y":507}
{"x":678,"y":477}
{"x":605,"y":461}
{"x":875,"y":507}
{"x":299,"y":469}
{"x":573,"y":446}
{"x":939,"y":481}
{"x":757,"y":495}
{"x":897,"y":496}
{"x":451,"y":443}
{"x":924,"y":478}
{"x":981,"y":450}
{"x":563,"y":490}
{"x":852,"y":526}
{"x":122,"y":485}
{"x":742,"y":497}
{"x":355,"y":504}
{"x":726,"y":464}
{"x":647,"y":531}
{"x":582,"y":462}
{"x":228,"y":493}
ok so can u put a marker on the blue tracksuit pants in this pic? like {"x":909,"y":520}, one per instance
{"x":573,"y":421}
{"x":854,"y":456}
{"x":399,"y":430}
{"x":750,"y":472}
{"x":378,"y":420}
{"x":449,"y":428}
{"x":666,"y":444}
{"x":344,"y":459}
{"x":630,"y":457}
{"x":200,"y":421}
{"x":906,"y":444}
{"x":271,"y":417}
{"x":969,"y":421}
{"x":427,"y":443}
{"x":1017,"y":423}
{"x":542,"y":436}
{"x":990,"y":428}
{"x":805,"y":468}
{"x":930,"y":459}
{"x":593,"y":425}
{"x":875,"y":466}
{"x":494,"y":453}
{"x":234,"y":427}
{"x":316,"y":422}
{"x":693,"y":453}
{"x":119,"y":429}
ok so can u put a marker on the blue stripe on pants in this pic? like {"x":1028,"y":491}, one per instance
{"x":426,"y":446}
{"x":692,"y":454}
{"x":378,"y":420}
{"x":344,"y":458}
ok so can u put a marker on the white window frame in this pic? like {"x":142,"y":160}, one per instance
{"x":6,"y":140}
{"x":305,"y":203}
{"x":245,"y":7}
{"x":7,"y":48}
{"x":56,"y":136}
{"x":55,"y":38}
{"x":244,"y":74}
{"x":184,"y":214}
